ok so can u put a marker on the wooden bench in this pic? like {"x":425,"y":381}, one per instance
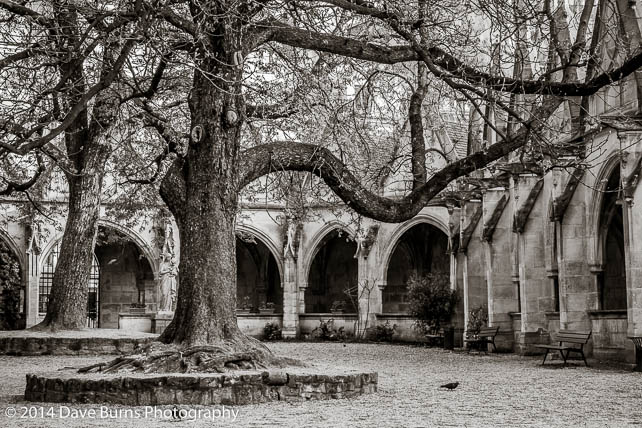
{"x":485,"y":336}
{"x":569,"y":341}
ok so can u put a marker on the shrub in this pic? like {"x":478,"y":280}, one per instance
{"x":477,"y":318}
{"x":432,"y":302}
{"x":271,"y":331}
{"x":10,"y":285}
{"x":327,"y":331}
{"x":267,"y":305}
{"x":384,"y":332}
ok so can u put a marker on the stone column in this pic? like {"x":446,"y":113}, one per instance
{"x":290,"y":298}
{"x":534,"y":285}
{"x":453,"y":235}
{"x":502,"y":296}
{"x":465,"y":297}
{"x":463,"y":257}
{"x":368,"y":288}
{"x":632,"y":222}
{"x":32,"y":287}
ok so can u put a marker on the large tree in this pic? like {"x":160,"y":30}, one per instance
{"x":465,"y":48}
{"x":63,"y":82}
{"x":202,"y":185}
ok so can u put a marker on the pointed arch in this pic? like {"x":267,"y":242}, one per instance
{"x":331,"y":270}
{"x":266,"y":240}
{"x":596,"y":243}
{"x":146,"y":249}
{"x":317,"y":241}
{"x":20,"y":255}
{"x":393,"y":241}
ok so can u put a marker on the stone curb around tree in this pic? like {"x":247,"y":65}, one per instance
{"x":197,"y":388}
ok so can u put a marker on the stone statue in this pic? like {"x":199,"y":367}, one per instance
{"x":291,"y":235}
{"x":168,"y":272}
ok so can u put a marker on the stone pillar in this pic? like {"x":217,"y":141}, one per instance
{"x":632,"y":222}
{"x":465,"y":296}
{"x":535,"y":298}
{"x":368,"y":292}
{"x":365,"y":320}
{"x":290,"y":298}
{"x":32,"y":287}
{"x":462,"y":261}
{"x":502,"y":296}
{"x":453,"y":221}
{"x":571,"y":233}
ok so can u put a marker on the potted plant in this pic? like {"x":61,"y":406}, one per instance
{"x":137,"y":308}
{"x":338,"y":307}
{"x":245,"y":305}
{"x":266,"y":307}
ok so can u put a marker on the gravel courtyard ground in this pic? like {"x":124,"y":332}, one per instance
{"x":495,"y":390}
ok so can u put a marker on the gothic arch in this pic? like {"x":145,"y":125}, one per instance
{"x":331,"y":270}
{"x":22,"y":263}
{"x":142,"y":245}
{"x":596,"y":255}
{"x":267,"y":241}
{"x":20,"y":255}
{"x":317,"y":241}
{"x":48,"y":247}
{"x":387,"y":252}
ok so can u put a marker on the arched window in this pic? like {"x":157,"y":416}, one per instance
{"x":46,"y":280}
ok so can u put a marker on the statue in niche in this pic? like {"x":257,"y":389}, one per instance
{"x":292,"y":236}
{"x":168,"y":273}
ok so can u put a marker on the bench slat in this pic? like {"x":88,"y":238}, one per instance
{"x":575,"y":331}
{"x":573,"y":336}
{"x":488,"y":331}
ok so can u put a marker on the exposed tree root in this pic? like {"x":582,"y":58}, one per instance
{"x":162,"y":358}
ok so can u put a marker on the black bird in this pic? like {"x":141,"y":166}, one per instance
{"x":450,"y":386}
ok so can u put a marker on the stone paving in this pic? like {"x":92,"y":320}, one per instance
{"x":495,"y":390}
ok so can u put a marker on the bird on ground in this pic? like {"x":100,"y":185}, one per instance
{"x":450,"y":386}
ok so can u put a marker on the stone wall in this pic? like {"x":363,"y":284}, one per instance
{"x":609,"y":336}
{"x":226,"y":389}
{"x":122,"y":271}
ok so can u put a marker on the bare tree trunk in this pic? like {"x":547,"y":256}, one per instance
{"x":67,"y":307}
{"x":202,"y":193}
{"x":206,"y":309}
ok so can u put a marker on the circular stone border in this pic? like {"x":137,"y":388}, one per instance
{"x":197,"y":388}
{"x":29,"y":346}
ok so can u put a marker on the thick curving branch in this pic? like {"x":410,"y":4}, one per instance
{"x":263,"y":159}
{"x":277,"y":31}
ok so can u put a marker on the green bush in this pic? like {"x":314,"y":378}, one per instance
{"x":272,"y":331}
{"x":432,"y":302}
